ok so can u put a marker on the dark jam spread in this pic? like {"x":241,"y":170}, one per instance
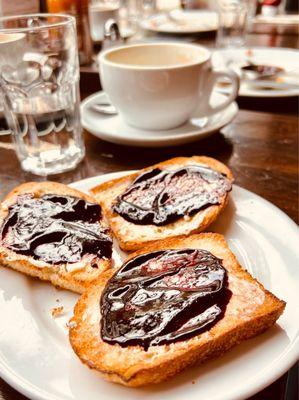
{"x":55,"y":229}
{"x":162,"y":196}
{"x":163,"y":297}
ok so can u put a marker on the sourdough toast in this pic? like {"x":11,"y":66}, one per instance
{"x":73,"y":276}
{"x":250,"y":311}
{"x":132,"y":236}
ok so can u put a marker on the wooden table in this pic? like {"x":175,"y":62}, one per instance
{"x":260,"y":146}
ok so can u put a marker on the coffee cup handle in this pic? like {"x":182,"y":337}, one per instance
{"x":215,"y":76}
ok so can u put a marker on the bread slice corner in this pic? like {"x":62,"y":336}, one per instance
{"x":251,"y":310}
{"x":76,"y":280}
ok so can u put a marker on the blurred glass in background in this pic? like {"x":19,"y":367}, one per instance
{"x":132,"y":12}
{"x":234,"y":17}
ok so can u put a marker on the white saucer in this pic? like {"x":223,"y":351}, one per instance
{"x":181,"y":22}
{"x":113,"y":129}
{"x":36,"y":357}
{"x":280,"y":57}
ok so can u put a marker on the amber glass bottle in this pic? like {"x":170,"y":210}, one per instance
{"x":79,"y":9}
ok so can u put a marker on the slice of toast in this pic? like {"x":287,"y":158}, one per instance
{"x":75,"y":277}
{"x":250,"y":311}
{"x":131,"y":236}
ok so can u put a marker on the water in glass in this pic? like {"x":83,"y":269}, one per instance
{"x":40,"y":92}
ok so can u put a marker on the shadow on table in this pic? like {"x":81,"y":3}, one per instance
{"x":279,"y":105}
{"x":217,"y":146}
{"x":8,"y":393}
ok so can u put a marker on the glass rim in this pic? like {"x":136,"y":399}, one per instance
{"x":65,"y":20}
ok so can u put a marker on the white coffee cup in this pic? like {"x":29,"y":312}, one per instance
{"x":159,"y":85}
{"x":98,"y":15}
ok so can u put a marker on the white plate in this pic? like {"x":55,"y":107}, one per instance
{"x":37,"y":360}
{"x":280,"y":57}
{"x":181,"y":22}
{"x":113,"y":129}
{"x":284,"y":19}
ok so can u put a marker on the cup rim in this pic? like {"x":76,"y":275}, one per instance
{"x":102,"y":57}
{"x":11,"y":37}
{"x":64,"y":21}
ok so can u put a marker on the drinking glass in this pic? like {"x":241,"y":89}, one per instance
{"x":39,"y":90}
{"x":147,"y":8}
{"x":232,"y":23}
{"x":133,"y":11}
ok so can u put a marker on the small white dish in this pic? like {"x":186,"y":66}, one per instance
{"x":181,"y":22}
{"x":113,"y":129}
{"x":37,"y":360}
{"x":288,"y":59}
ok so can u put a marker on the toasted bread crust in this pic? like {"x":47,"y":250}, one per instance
{"x":251,"y":310}
{"x":77,"y":280}
{"x":133,"y":237}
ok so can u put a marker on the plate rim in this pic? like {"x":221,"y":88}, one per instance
{"x":143,"y":24}
{"x":289,"y":355}
{"x":260,"y":19}
{"x":143,"y":141}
